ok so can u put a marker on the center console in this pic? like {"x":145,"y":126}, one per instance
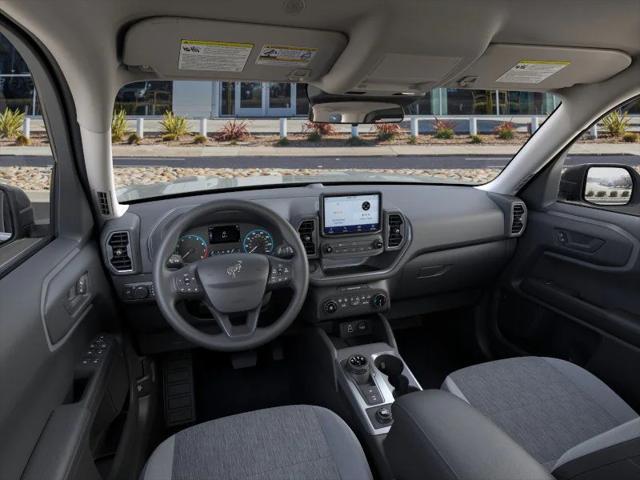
{"x":369,"y":374}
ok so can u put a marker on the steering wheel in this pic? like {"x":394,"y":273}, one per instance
{"x":231,"y":285}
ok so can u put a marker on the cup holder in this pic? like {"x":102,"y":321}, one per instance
{"x":393,"y":367}
{"x":390,"y":365}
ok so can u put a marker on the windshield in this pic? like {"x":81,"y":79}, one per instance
{"x":186,"y":136}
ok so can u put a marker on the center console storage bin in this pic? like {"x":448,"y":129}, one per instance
{"x":437,"y":435}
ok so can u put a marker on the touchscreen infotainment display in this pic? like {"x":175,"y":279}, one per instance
{"x":351,"y":214}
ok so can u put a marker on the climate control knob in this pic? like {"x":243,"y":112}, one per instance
{"x":330,"y":307}
{"x":377,"y":244}
{"x":379,"y":300}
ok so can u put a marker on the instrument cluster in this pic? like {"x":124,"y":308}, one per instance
{"x":212,"y":240}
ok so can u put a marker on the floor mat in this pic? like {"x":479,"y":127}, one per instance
{"x":221,"y":390}
{"x":441,"y":344}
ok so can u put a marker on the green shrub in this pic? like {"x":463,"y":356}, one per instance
{"x":200,"y":139}
{"x":11,"y":123}
{"x":355,"y":141}
{"x":444,"y":129}
{"x":445,"y":133}
{"x":475,"y":139}
{"x":134,"y":139}
{"x":232,"y":131}
{"x":175,"y":125}
{"x":630,"y":137}
{"x":22,"y":141}
{"x":169,"y":137}
{"x":506,"y":130}
{"x":282,"y":142}
{"x":314,"y":136}
{"x":412,"y":140}
{"x":386,"y":131}
{"x":616,"y":123}
{"x":315,"y":131}
{"x":119,"y":125}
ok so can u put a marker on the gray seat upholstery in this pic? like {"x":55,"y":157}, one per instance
{"x":293,"y":442}
{"x":548,"y":406}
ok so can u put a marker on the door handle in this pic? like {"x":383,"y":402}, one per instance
{"x":578,"y":241}
{"x":78,"y":295}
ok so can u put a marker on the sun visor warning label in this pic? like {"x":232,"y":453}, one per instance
{"x":285,"y":55}
{"x":213,"y":56}
{"x":532,"y":71}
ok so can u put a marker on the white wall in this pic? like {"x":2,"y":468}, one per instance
{"x":193,"y":99}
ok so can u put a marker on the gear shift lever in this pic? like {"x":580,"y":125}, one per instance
{"x":358,"y":366}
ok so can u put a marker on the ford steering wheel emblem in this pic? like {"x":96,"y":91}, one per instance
{"x":234,"y":270}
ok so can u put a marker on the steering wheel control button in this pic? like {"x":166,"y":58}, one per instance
{"x":187,"y":284}
{"x":279,"y":274}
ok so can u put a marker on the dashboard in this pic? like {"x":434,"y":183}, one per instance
{"x":398,"y":249}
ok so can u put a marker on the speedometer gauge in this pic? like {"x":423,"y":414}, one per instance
{"x":258,"y":241}
{"x":191,"y":248}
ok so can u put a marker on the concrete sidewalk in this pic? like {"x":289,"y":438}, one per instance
{"x":142,"y":151}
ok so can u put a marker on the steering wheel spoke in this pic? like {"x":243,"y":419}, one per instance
{"x":236,"y":330}
{"x":280,"y":273}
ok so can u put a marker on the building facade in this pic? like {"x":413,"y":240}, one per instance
{"x":215,"y":99}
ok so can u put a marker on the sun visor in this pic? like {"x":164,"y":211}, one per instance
{"x":183,"y":48}
{"x":535,"y":68}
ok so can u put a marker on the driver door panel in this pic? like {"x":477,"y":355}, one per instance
{"x":53,"y":404}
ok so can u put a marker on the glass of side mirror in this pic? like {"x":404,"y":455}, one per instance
{"x":609,"y":186}
{"x":6,"y":227}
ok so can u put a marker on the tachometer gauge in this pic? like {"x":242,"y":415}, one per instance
{"x":191,"y":248}
{"x":258,"y":241}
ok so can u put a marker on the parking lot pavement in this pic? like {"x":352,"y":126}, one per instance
{"x":324,"y":162}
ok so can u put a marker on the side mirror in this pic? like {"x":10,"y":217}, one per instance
{"x":605,"y":185}
{"x":16,"y":214}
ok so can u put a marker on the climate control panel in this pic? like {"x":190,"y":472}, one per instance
{"x":353,"y":301}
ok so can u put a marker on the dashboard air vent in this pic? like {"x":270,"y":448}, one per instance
{"x":395,"y":229}
{"x":104,"y":204}
{"x":518,"y":218}
{"x":307,"y":231}
{"x":120,"y":258}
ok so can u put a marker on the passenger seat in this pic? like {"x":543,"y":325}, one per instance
{"x":562,"y":415}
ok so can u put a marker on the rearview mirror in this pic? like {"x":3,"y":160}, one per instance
{"x":608,"y":186}
{"x":355,"y":109}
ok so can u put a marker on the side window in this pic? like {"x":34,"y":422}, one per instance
{"x":602,"y":168}
{"x":26,"y":161}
